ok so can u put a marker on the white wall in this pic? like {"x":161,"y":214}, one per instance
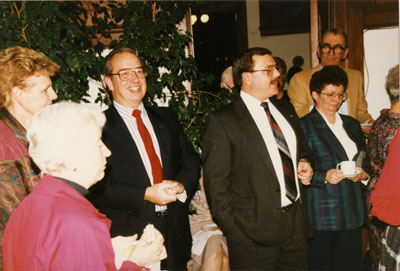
{"x":381,"y":49}
{"x":284,"y":46}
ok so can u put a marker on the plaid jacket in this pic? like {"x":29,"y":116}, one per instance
{"x":333,"y":207}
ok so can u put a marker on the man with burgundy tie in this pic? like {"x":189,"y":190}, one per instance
{"x":256,"y":161}
{"x":153,"y":170}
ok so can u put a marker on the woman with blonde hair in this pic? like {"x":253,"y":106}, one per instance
{"x":25,"y":89}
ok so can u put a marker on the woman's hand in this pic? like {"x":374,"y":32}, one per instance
{"x":334,"y":176}
{"x":360,"y":177}
{"x":149,"y":248}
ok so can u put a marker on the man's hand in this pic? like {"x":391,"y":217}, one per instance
{"x":160,"y":193}
{"x":164,"y":192}
{"x":304,"y":172}
{"x":177,"y":189}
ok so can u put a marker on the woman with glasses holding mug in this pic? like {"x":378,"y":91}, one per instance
{"x":334,"y":198}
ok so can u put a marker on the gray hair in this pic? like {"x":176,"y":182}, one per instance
{"x":392,"y":84}
{"x":58,"y":126}
{"x":226,"y":74}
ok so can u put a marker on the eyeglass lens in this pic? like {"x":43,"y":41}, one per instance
{"x":127,"y":74}
{"x":326,"y":49}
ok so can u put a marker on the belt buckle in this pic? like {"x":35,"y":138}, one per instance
{"x":285,"y":209}
{"x":162,"y":213}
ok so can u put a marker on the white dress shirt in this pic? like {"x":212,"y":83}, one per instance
{"x":130,"y":122}
{"x":260,"y":117}
{"x":337,"y":128}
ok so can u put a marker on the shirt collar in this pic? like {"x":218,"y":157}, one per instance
{"x":250,"y":100}
{"x":338,"y":119}
{"x":79,"y":188}
{"x":125,"y":108}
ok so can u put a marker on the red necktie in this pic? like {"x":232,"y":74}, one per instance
{"x":156,"y":168}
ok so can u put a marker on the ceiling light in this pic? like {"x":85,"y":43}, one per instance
{"x":204,"y":18}
{"x":193,"y":18}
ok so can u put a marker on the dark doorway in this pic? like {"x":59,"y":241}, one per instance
{"x":218,"y":41}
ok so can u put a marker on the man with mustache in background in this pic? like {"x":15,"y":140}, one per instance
{"x":255,"y":157}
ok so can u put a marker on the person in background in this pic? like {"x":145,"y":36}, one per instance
{"x":334,"y":200}
{"x":55,"y":227}
{"x":153,"y":171}
{"x":25,"y":89}
{"x":227,"y":79}
{"x":297,"y":61}
{"x":253,"y":188}
{"x":385,"y":201}
{"x":281,"y":67}
{"x":282,"y":98}
{"x":210,"y":250}
{"x":382,"y":133}
{"x":332,"y":50}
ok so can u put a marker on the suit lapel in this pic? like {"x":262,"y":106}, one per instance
{"x":351,"y":132}
{"x":249,"y":128}
{"x":328,"y":136}
{"x":116,"y":131}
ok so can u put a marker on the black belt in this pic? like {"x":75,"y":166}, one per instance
{"x":162,"y":213}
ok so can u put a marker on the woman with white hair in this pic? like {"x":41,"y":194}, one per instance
{"x":55,"y":227}
{"x":382,"y":133}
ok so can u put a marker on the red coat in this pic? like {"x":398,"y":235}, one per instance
{"x":56,"y":228}
{"x":386,"y":196}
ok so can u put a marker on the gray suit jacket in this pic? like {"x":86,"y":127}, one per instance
{"x":239,"y":177}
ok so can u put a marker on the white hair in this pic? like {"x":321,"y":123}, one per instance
{"x":226,"y":75}
{"x":55,"y":128}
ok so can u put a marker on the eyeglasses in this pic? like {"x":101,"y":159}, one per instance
{"x":340,"y":96}
{"x":326,"y":49}
{"x":270,"y":70}
{"x":127,"y":74}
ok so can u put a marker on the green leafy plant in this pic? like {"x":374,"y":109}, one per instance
{"x":73,"y":34}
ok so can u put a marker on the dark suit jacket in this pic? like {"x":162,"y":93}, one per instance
{"x":240,"y":181}
{"x":120,"y":195}
{"x":340,"y":206}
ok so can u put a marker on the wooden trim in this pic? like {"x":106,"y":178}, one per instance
{"x":241,"y":26}
{"x":314,"y":33}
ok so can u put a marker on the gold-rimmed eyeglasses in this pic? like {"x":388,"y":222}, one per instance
{"x":270,"y":70}
{"x":340,"y":96}
{"x":326,"y":49}
{"x":127,"y":74}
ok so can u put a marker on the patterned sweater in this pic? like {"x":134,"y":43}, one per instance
{"x":17,"y":176}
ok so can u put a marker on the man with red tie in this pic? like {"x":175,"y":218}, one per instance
{"x":153,"y":169}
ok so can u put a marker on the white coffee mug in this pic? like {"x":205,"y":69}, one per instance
{"x":347,"y":167}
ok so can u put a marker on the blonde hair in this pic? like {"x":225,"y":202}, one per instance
{"x":57,"y":127}
{"x":16,"y":65}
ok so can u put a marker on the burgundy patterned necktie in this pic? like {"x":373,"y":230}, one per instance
{"x":156,"y":168}
{"x":287,"y":164}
